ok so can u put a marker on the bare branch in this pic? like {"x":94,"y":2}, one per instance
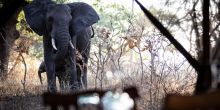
{"x":167,"y":34}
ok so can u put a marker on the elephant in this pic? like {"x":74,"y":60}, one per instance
{"x":65,"y":28}
{"x":62,"y":72}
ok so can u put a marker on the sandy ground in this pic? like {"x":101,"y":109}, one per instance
{"x":27,"y":102}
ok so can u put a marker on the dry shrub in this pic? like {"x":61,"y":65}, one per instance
{"x":13,"y":84}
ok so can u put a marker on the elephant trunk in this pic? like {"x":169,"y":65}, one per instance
{"x":60,"y":42}
{"x":41,"y":69}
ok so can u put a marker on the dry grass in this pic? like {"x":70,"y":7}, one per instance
{"x":13,"y":84}
{"x":26,"y":102}
{"x":13,"y":96}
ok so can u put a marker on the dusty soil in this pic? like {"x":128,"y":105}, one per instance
{"x":23,"y":102}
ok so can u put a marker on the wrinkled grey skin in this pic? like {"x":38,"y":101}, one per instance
{"x":63,"y":23}
{"x":62,"y":73}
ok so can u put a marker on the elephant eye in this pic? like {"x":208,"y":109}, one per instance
{"x":50,"y":19}
{"x":49,"y":23}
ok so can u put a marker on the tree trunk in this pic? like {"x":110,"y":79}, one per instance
{"x":8,"y":34}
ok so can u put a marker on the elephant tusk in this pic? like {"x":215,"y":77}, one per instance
{"x":53,"y":43}
{"x":71,"y":44}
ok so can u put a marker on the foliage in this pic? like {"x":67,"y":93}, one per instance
{"x":36,"y":49}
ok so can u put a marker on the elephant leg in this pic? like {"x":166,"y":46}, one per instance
{"x":51,"y":78}
{"x":80,"y":70}
{"x":74,"y":84}
{"x":85,"y":55}
{"x":64,"y":78}
{"x":61,"y":80}
{"x":84,"y":76}
{"x":50,"y":65}
{"x":61,"y":83}
{"x":83,"y":45}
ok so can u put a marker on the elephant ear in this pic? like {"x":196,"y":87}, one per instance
{"x":83,"y":16}
{"x":35,"y":14}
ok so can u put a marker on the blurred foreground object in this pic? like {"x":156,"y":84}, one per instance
{"x":117,"y":101}
{"x":94,"y":100}
{"x":208,"y":101}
